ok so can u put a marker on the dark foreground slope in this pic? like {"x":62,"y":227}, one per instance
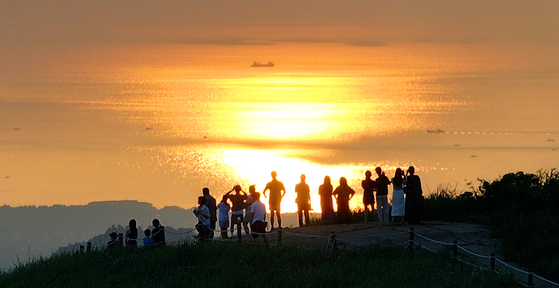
{"x":248,"y":265}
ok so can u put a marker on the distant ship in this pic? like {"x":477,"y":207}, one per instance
{"x":258,"y":64}
{"x":435,"y":131}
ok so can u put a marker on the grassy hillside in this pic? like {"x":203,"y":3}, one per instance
{"x":245,"y":265}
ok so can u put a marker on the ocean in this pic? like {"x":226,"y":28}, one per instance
{"x":157,"y":124}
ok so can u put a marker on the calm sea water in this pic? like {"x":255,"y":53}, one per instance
{"x":159,"y":131}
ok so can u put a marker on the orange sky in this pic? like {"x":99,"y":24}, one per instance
{"x":356,"y":22}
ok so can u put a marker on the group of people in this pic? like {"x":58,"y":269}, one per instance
{"x":407,"y":196}
{"x":247,"y":209}
{"x":249,"y":213}
{"x":154,"y":237}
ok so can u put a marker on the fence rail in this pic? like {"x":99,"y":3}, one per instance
{"x":333,"y":241}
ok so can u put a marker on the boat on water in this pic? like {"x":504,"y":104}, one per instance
{"x":258,"y":64}
{"x":435,"y":131}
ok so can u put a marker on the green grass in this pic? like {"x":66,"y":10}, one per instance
{"x":244,"y":265}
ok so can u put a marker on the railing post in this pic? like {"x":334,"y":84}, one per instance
{"x":88,"y":246}
{"x":239,"y":236}
{"x":492,"y":261}
{"x":455,"y":248}
{"x":333,"y":240}
{"x":121,"y":239}
{"x":530,"y":278}
{"x":412,"y":238}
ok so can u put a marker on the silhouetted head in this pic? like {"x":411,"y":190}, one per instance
{"x":147,"y":232}
{"x":224,"y":199}
{"x":202,"y":200}
{"x":327,"y":180}
{"x":238,"y":188}
{"x":113,"y":235}
{"x":303,"y":177}
{"x":155,"y":222}
{"x":256,"y":196}
{"x":343,"y":181}
{"x":378,"y":170}
{"x":206,"y":191}
{"x":252,"y":189}
{"x":368,"y":174}
{"x":132,"y":223}
{"x":398,"y":177}
{"x":411,"y":170}
{"x":274,"y":174}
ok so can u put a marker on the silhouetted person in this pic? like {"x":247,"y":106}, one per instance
{"x":210,"y":202}
{"x":158,"y":233}
{"x":248,"y":216}
{"x":398,"y":201}
{"x":303,"y":200}
{"x":258,"y":215}
{"x":276,"y":188}
{"x":414,"y":197}
{"x":343,"y":194}
{"x":383,"y":208}
{"x":224,"y":208}
{"x":147,"y":239}
{"x":203,"y":214}
{"x":368,"y":196}
{"x":326,"y":203}
{"x":114,"y":240}
{"x":238,"y":201}
{"x":132,"y":234}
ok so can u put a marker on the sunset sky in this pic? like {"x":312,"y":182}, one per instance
{"x":352,"y":22}
{"x":136,"y":57}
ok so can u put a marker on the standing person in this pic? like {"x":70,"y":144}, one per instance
{"x":326,"y":203}
{"x":414,"y":197}
{"x":276,"y":188}
{"x":238,"y":200}
{"x":398,"y":201}
{"x":343,"y":194}
{"x":248,"y":216}
{"x":368,"y":195}
{"x":210,"y":202}
{"x":132,"y":234}
{"x":303,"y":200}
{"x":203,"y":214}
{"x":224,"y":208}
{"x":381,"y":183}
{"x":158,"y":233}
{"x":258,"y":215}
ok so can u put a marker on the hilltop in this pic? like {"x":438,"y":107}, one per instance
{"x":233,"y":264}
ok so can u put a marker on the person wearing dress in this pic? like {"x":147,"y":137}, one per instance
{"x":398,"y":200}
{"x":343,"y":194}
{"x":326,"y":203}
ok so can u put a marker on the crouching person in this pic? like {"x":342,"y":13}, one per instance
{"x":258,"y":213}
{"x":203,"y":214}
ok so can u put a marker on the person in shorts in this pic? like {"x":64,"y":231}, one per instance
{"x":238,"y":201}
{"x":277,"y":191}
{"x":258,"y":214}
